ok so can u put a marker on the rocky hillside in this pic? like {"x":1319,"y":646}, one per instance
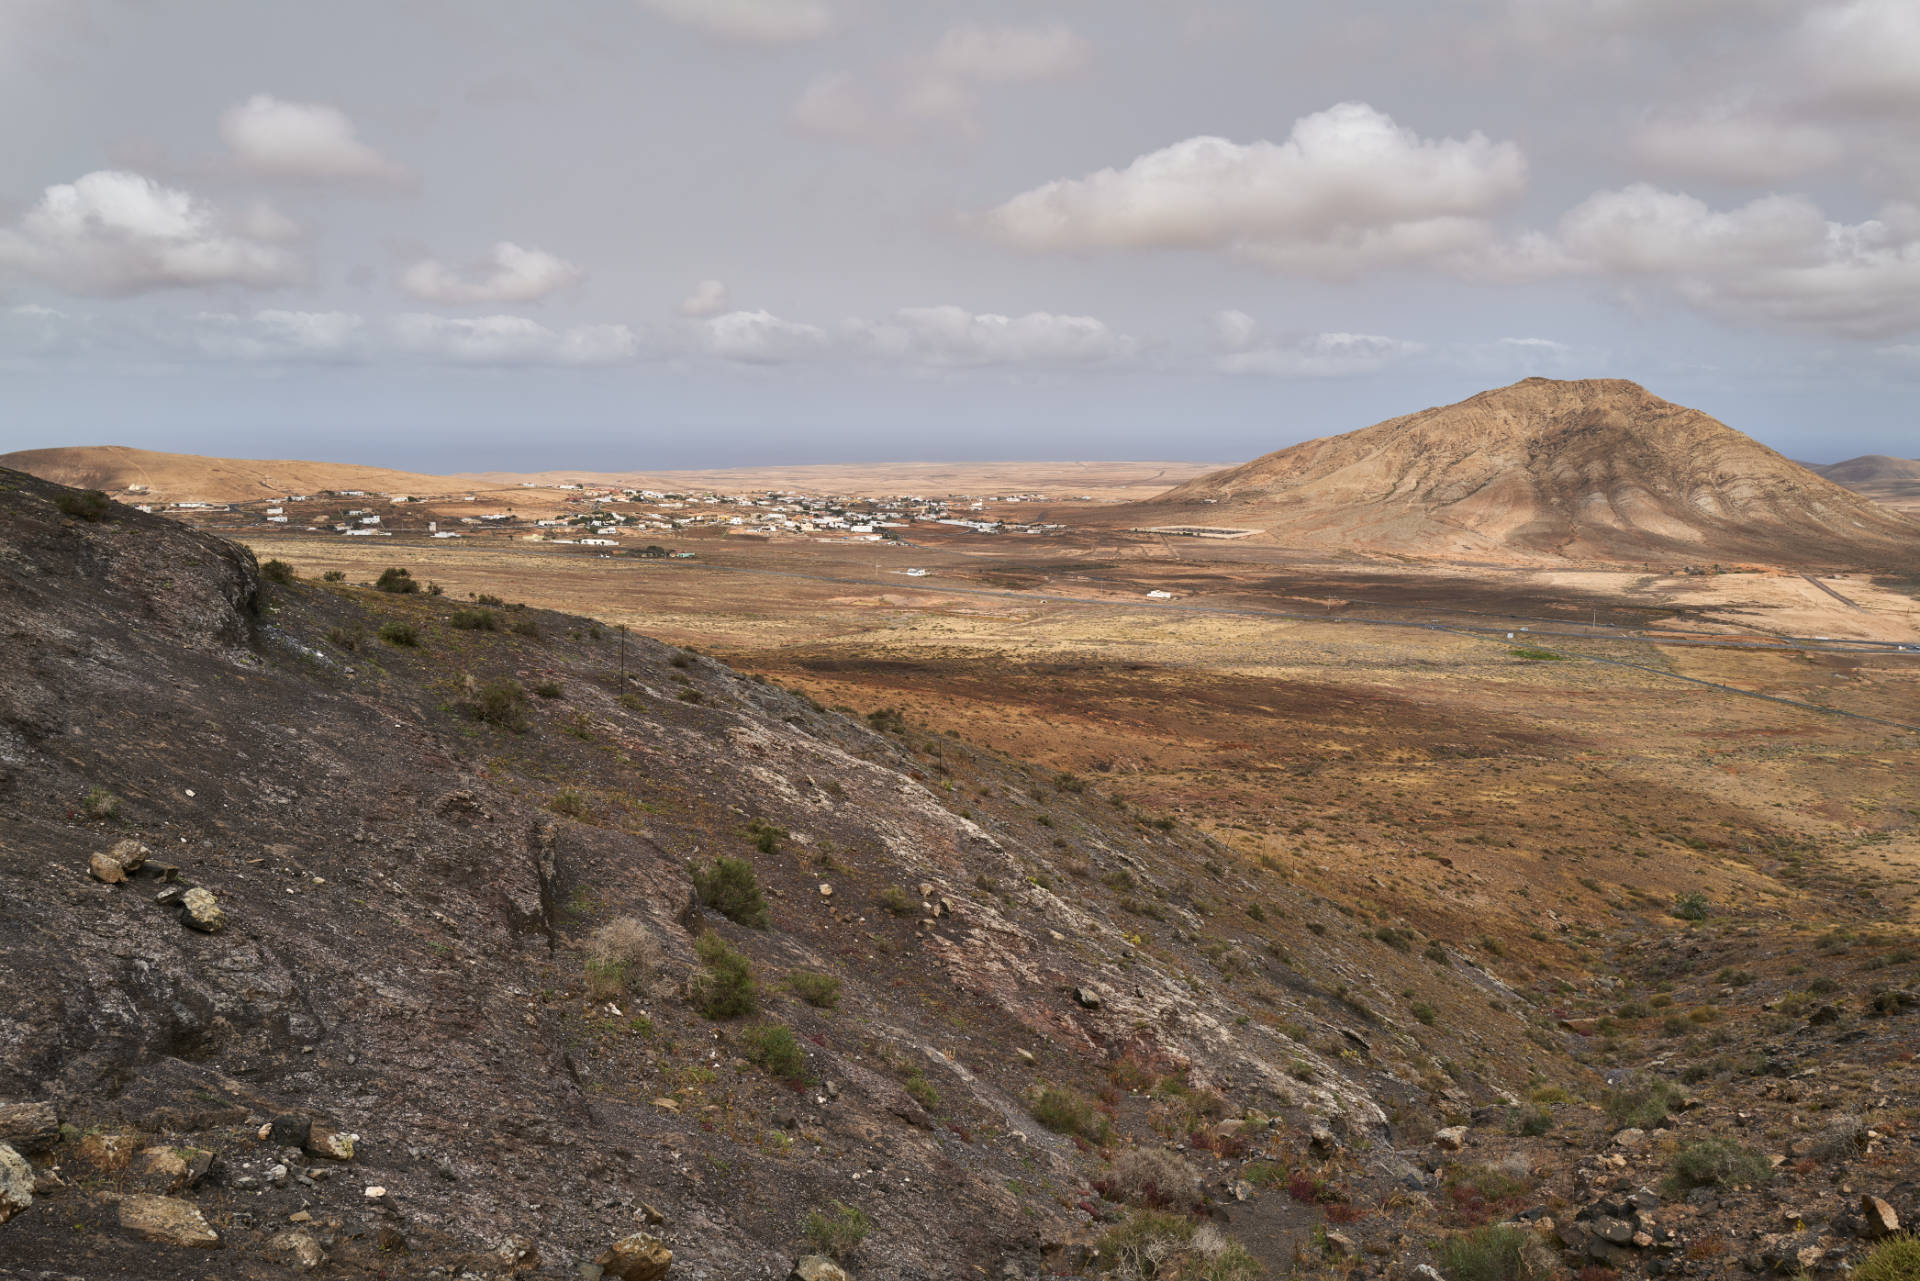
{"x":1893,"y":481}
{"x":1589,"y":470}
{"x":182,"y":478}
{"x":376,"y":934}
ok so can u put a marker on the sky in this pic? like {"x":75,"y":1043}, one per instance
{"x":461,"y":234}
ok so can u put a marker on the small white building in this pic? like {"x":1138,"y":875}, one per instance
{"x":1159,"y":595}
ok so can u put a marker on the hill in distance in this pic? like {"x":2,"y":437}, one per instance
{"x":1893,"y":481}
{"x":1593,"y":470}
{"x":117,"y":469}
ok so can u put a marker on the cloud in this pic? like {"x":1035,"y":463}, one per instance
{"x":749,"y":21}
{"x":113,"y":232}
{"x":1864,"y":54}
{"x":512,"y":340}
{"x":1774,"y":261}
{"x":279,"y":335}
{"x":1348,"y":191}
{"x":979,"y":52}
{"x":301,"y":140}
{"x":954,"y":336}
{"x":758,"y":338}
{"x":509,"y":274}
{"x":1326,"y":355}
{"x":833,"y":106}
{"x":1735,"y":144}
{"x":709,"y":298}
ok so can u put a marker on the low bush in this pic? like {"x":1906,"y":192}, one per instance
{"x":766,"y":837}
{"x":1642,"y":1106}
{"x":549,"y":689}
{"x":402,"y":634}
{"x":484,"y":599}
{"x":1895,"y":1259}
{"x":729,"y":887}
{"x":1718,"y":1162}
{"x":822,"y":991}
{"x":888,"y":720}
{"x":772,"y":1048}
{"x":526,"y":627}
{"x":84,"y":504}
{"x":475,"y":620}
{"x":1534,"y":654}
{"x":1066,"y":1111}
{"x":1533,"y":1121}
{"x":723,"y":987}
{"x":502,"y":704}
{"x":620,"y":954}
{"x":896,"y":900}
{"x":347,"y":638}
{"x":570,"y":802}
{"x":277,"y":571}
{"x":837,"y":1232}
{"x":99,"y":805}
{"x":1480,"y":1194}
{"x":1153,"y":1177}
{"x":334,"y":576}
{"x":396,"y":580}
{"x":1484,"y":1254}
{"x":919,"y":1089}
{"x":1690,"y":905}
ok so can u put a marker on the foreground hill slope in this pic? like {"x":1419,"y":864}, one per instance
{"x":452,"y":848}
{"x":182,"y":478}
{"x":1598,"y":469}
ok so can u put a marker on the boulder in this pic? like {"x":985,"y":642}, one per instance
{"x":168,"y":1221}
{"x":199,"y":910}
{"x":29,"y":1127}
{"x":639,"y":1257}
{"x":334,"y":1145}
{"x":16,"y":1183}
{"x":174,"y":1169}
{"x":1451,"y":1139}
{"x":105,"y":870}
{"x":817,"y":1267}
{"x":115,"y":865}
{"x":1878,"y":1217}
{"x":1087,"y":999}
{"x":299,"y":1249}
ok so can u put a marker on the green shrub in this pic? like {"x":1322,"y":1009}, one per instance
{"x":888,"y":720}
{"x":475,"y":620}
{"x":1718,"y":1162}
{"x":396,"y":580}
{"x":334,"y":576}
{"x":549,"y":689}
{"x":772,"y":1047}
{"x":1148,"y":1240}
{"x":896,"y":900}
{"x":1895,"y":1259}
{"x":619,"y":954}
{"x":724,"y":986}
{"x":837,"y":1232}
{"x":822,"y":991}
{"x":526,"y":627}
{"x":484,"y":599}
{"x":1690,"y":905}
{"x":1534,"y":654}
{"x":1533,"y":1121}
{"x":277,"y":571}
{"x":347,"y":638}
{"x":503,"y":704}
{"x":402,"y":634}
{"x":920,"y":1090}
{"x":729,"y":887}
{"x":1233,"y":1262}
{"x":1641,"y":1107}
{"x":99,"y":805}
{"x":1424,"y":1012}
{"x":1485,"y":1254}
{"x":84,"y":504}
{"x":1067,"y":1111}
{"x":570,"y":802}
{"x":1437,"y":954}
{"x":766,"y":837}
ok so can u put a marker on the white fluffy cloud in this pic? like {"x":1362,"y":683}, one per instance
{"x":1246,"y":350}
{"x":113,"y":232}
{"x":709,"y":298}
{"x":279,"y":335}
{"x":1738,"y":144}
{"x":1348,"y":191}
{"x":512,"y":340}
{"x":954,"y":336}
{"x":301,"y":140}
{"x":1778,"y":260}
{"x":758,"y":338}
{"x":509,"y":274}
{"x":979,"y":52}
{"x":749,"y":21}
{"x":1865,"y":53}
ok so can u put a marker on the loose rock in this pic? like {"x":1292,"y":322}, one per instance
{"x":167,"y":1220}
{"x":302,"y":1250}
{"x":817,"y":1267}
{"x":636,"y":1258}
{"x":16,"y":1183}
{"x":29,"y":1127}
{"x":201,"y":911}
{"x":1881,"y":1221}
{"x":1451,"y":1139}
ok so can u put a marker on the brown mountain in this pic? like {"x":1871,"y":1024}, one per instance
{"x":1893,"y":481}
{"x":1599,"y":469}
{"x":194,"y":478}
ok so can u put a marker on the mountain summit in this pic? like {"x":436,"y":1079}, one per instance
{"x":1597,"y":469}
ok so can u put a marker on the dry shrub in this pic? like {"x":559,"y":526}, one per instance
{"x":1153,"y":1177}
{"x":620,"y":955}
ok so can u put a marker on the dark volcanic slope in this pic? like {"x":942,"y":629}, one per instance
{"x":408,"y":887}
{"x":1591,"y":470}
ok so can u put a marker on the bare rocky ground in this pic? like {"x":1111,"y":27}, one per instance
{"x":325,"y":952}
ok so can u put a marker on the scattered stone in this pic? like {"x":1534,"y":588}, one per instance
{"x":167,"y":1220}
{"x":1632,"y":1140}
{"x":301,"y":1249}
{"x":105,"y":870}
{"x":639,"y":1257}
{"x":289,"y":1130}
{"x":1451,"y":1139}
{"x":1322,"y":1140}
{"x":1025,"y":1056}
{"x":29,"y":1127}
{"x":1880,"y":1219}
{"x":374,"y":1193}
{"x":1087,"y":998}
{"x":1341,"y":1246}
{"x":201,"y":911}
{"x":334,"y":1145}
{"x":175,"y":1169}
{"x":170,"y":896}
{"x":817,"y":1267}
{"x":16,"y":1183}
